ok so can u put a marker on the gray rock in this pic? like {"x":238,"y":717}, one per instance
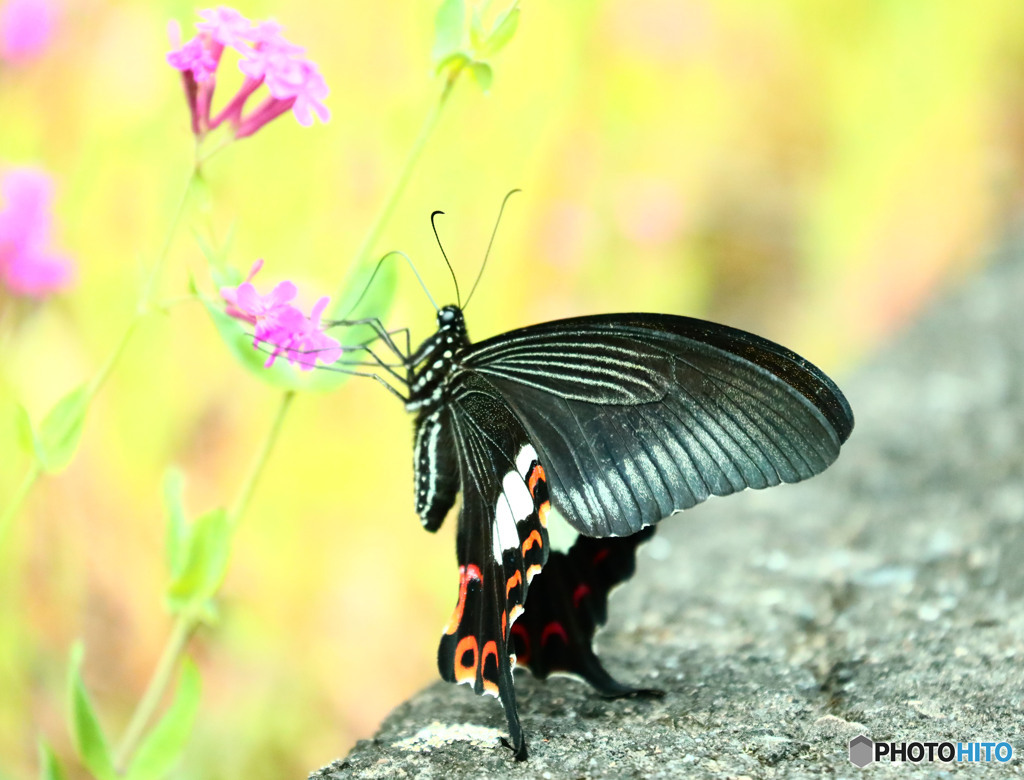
{"x":883,"y":598}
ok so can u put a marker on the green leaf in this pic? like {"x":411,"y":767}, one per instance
{"x":49,"y":768}
{"x":164,"y":745}
{"x":476,"y":30}
{"x":502,"y":32}
{"x":203,"y":564}
{"x":28,"y":440}
{"x":86,"y":732}
{"x":177,"y":531}
{"x":453,"y":62}
{"x":483,"y":74}
{"x":61,"y":430}
{"x":448,"y":28}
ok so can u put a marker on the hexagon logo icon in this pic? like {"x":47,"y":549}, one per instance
{"x":862,"y":751}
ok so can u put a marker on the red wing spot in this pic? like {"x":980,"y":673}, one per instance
{"x":600,"y":555}
{"x":515,"y":580}
{"x":581,"y":592}
{"x":465,"y":659}
{"x":466,"y":573}
{"x":523,"y":645}
{"x":554,"y":628}
{"x":532,"y":539}
{"x":490,"y":648}
{"x":537,"y":475}
{"x":542,"y":513}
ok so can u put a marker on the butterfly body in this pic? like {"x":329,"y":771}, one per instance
{"x":612,"y":422}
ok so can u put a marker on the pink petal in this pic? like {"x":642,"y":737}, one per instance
{"x":318,"y":309}
{"x":25,"y":220}
{"x":254,"y":270}
{"x":26,"y":27}
{"x":247,"y":298}
{"x":283,"y":293}
{"x":37,"y":275}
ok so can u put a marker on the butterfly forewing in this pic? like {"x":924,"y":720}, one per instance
{"x":695,"y":410}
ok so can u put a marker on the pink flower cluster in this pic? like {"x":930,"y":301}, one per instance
{"x":299,"y":338}
{"x":27,"y":266}
{"x":26,"y":27}
{"x":267,"y":58}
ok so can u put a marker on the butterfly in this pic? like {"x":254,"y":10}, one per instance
{"x":608,"y":424}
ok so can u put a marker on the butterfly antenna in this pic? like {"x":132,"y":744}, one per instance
{"x":458,"y":299}
{"x":489,"y":244}
{"x":366,"y":289}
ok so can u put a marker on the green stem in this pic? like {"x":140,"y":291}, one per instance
{"x":115,"y":356}
{"x":426,"y":130}
{"x":187,"y":622}
{"x":154,"y":275}
{"x":242,"y":501}
{"x":7,"y":519}
{"x":165,"y":668}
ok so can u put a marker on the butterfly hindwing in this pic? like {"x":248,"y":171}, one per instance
{"x":501,"y":546}
{"x":568,"y":602}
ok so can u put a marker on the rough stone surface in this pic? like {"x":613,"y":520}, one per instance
{"x":883,"y":597}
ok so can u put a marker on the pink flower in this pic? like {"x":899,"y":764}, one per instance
{"x":226,"y":26}
{"x":26,"y":27}
{"x":27,"y":267}
{"x":279,"y":323}
{"x":294,"y":83}
{"x":310,"y":344}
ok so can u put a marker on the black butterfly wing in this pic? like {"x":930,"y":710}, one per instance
{"x":568,"y":602}
{"x":501,"y":545}
{"x":638,"y":416}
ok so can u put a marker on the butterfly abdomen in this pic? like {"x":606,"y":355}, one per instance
{"x":434,"y":461}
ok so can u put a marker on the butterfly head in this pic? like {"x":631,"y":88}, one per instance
{"x":449,"y":315}
{"x":451,"y":322}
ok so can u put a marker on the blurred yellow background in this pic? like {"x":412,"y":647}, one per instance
{"x":809,"y":170}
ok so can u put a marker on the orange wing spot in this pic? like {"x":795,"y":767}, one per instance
{"x":533,"y":539}
{"x":533,"y":571}
{"x":490,"y":648}
{"x":517,"y":610}
{"x":537,"y":475}
{"x":466,"y":670}
{"x":515,"y":580}
{"x":553,"y":629}
{"x":504,"y":622}
{"x":466,"y":573}
{"x":542,"y":513}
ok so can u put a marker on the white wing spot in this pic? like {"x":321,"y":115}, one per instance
{"x":518,"y":497}
{"x":504,"y":532}
{"x":527,"y":455}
